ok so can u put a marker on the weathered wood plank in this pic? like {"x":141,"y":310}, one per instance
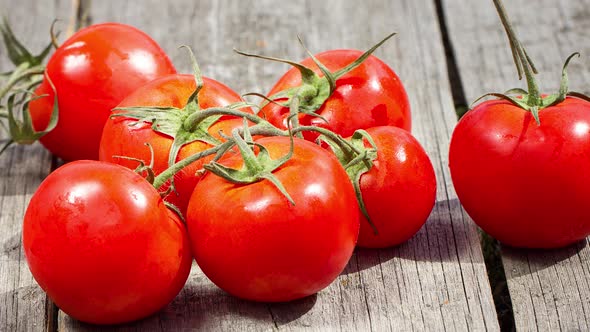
{"x":437,"y":281}
{"x":23,"y":305}
{"x":550,"y":31}
{"x":549,"y":289}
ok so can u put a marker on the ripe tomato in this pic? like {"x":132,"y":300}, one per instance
{"x":102,"y":244}
{"x":527,"y":185}
{"x":399,"y":191}
{"x":93,"y":71}
{"x":253,"y":243}
{"x":370,"y":95}
{"x":122,"y":138}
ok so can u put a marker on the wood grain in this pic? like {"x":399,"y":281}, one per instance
{"x":549,"y":289}
{"x":437,"y":281}
{"x":550,"y":31}
{"x":23,"y":305}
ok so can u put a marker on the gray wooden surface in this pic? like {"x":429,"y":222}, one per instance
{"x":436,"y":281}
{"x":549,"y":290}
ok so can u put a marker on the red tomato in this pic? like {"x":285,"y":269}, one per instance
{"x":526,"y":185}
{"x":120,"y":138}
{"x":371,"y":95}
{"x":102,"y":244}
{"x":253,"y":243}
{"x":399,"y":191}
{"x":93,"y":71}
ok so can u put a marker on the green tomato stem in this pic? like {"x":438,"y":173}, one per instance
{"x":521,"y":59}
{"x":264,"y":128}
{"x":177,"y":167}
{"x":21,"y":72}
{"x":197,"y":117}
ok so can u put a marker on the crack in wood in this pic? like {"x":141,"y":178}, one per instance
{"x":492,"y":257}
{"x":461,"y":105}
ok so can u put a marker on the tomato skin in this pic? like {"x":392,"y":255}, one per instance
{"x":399,"y":191}
{"x":92,"y":72}
{"x":371,"y":95}
{"x":251,"y":242}
{"x":100,"y":241}
{"x":526,"y":185}
{"x":120,"y":138}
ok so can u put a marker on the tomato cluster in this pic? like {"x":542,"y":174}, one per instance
{"x":270,"y":200}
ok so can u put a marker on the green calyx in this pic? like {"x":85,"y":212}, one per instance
{"x":355,"y":157}
{"x":29,"y":68}
{"x":530,"y":100}
{"x":18,"y":84}
{"x":147,"y":171}
{"x":314,"y":90}
{"x":261,"y":127}
{"x":20,"y":127}
{"x":256,"y":167}
{"x":184,"y":125}
{"x":17,"y":53}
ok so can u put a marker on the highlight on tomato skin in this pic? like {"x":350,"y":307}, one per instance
{"x":399,"y":191}
{"x":92,"y":72}
{"x":524,"y":183}
{"x":519,"y":163}
{"x":250,"y":241}
{"x":125,"y":136}
{"x":100,"y":242}
{"x":370,"y":95}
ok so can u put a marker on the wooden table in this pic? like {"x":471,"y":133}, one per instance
{"x":447,"y":52}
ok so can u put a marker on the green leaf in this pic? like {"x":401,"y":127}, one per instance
{"x":360,"y":59}
{"x":516,"y":91}
{"x":200,"y":133}
{"x":515,"y":101}
{"x":21,"y":128}
{"x":327,"y":74}
{"x":192,"y":104}
{"x":550,"y":100}
{"x":563,"y":85}
{"x":273,"y":179}
{"x":165,"y":120}
{"x":356,"y":160}
{"x":255,"y":167}
{"x":55,"y":111}
{"x":535,"y":111}
{"x":307,"y":75}
{"x":17,"y":52}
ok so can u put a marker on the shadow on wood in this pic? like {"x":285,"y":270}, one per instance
{"x":11,"y":248}
{"x":203,"y":306}
{"x":539,"y":259}
{"x":435,"y":242}
{"x":17,"y":303}
{"x":21,"y":170}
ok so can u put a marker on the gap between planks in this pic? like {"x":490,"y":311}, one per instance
{"x":490,"y":247}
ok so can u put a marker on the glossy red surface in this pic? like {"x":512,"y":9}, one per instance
{"x":102,"y":244}
{"x":371,"y":95}
{"x":92,"y":72}
{"x":525,"y":184}
{"x":399,"y":191}
{"x":120,"y":138}
{"x":254,"y":244}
